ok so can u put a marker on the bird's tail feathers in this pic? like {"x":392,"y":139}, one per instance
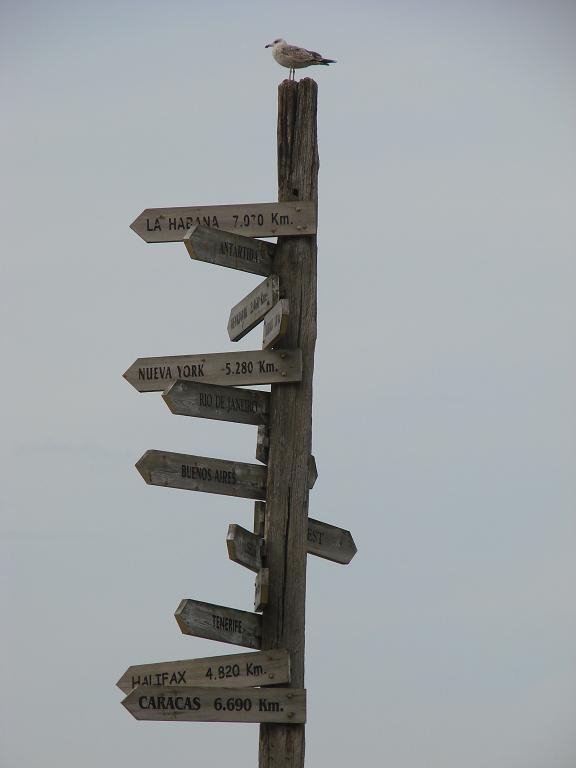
{"x":328,"y":61}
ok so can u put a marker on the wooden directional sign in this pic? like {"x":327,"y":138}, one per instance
{"x":233,"y":671}
{"x":244,"y":547}
{"x":312,"y":472}
{"x":226,"y":249}
{"x":275,"y":324}
{"x":253,"y":308}
{"x":163,"y":225}
{"x":263,"y":443}
{"x":262,"y":589}
{"x":329,"y":542}
{"x":209,"y":401}
{"x":201,"y":473}
{"x":209,"y":705}
{"x":217,"y":622}
{"x":155,"y":374}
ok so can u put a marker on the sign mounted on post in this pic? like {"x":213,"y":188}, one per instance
{"x":208,"y":705}
{"x":217,"y":622}
{"x":201,"y":473}
{"x":330,"y":542}
{"x":233,"y":670}
{"x":164,"y":225}
{"x":226,"y":249}
{"x":210,"y":401}
{"x":252,"y":310}
{"x":154,"y":374}
{"x":244,"y":547}
{"x":275,"y":324}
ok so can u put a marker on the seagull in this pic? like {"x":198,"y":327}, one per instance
{"x":293,"y":57}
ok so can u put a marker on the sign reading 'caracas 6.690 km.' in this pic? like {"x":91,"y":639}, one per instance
{"x":226,"y":705}
{"x":163,"y":225}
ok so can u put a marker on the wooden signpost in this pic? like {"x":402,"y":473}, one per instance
{"x":201,"y":473}
{"x":237,"y":670}
{"x":275,"y":324}
{"x":226,"y":705}
{"x":210,"y":401}
{"x":252,"y":310}
{"x":164,"y":225}
{"x":225,"y":249}
{"x":155,"y":374}
{"x":212,"y":386}
{"x":217,"y":622}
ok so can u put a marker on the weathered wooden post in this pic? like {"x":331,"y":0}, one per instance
{"x":264,"y":686}
{"x":291,"y":417}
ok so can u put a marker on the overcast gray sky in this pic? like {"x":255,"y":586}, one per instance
{"x":444,"y":406}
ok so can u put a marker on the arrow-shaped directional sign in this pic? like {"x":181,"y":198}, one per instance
{"x":264,"y":366}
{"x":217,"y":622}
{"x":330,"y":542}
{"x":227,"y":705}
{"x":326,"y":541}
{"x":201,"y":473}
{"x":209,"y":401}
{"x":225,"y":249}
{"x":253,"y":308}
{"x":163,"y":225}
{"x":233,"y":670}
{"x":244,"y":547}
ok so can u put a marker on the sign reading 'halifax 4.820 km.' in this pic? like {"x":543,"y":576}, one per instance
{"x":163,"y":225}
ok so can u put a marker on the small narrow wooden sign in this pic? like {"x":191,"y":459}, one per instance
{"x":261,"y":589}
{"x":276,"y":324}
{"x":225,"y":249}
{"x":201,"y":473}
{"x":210,"y":401}
{"x":246,"y":315}
{"x":155,"y":374}
{"x":209,"y":705}
{"x":312,"y":472}
{"x":237,"y":670}
{"x":330,"y":542}
{"x":217,"y":622}
{"x":244,"y":547}
{"x":164,"y":225}
{"x":263,"y":443}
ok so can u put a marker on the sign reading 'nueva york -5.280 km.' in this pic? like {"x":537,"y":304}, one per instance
{"x":163,"y":225}
{"x":264,"y":366}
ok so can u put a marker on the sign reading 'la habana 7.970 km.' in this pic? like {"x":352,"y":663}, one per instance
{"x":264,"y":366}
{"x":163,"y":225}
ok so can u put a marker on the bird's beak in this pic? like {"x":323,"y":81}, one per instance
{"x":268,"y":46}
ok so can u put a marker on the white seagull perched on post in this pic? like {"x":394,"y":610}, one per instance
{"x":293,"y":57}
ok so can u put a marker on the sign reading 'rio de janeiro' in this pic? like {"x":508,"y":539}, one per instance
{"x":154,"y":374}
{"x":163,"y":225}
{"x":201,"y":473}
{"x":209,"y":401}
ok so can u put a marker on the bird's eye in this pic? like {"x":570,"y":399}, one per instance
{"x":277,"y":41}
